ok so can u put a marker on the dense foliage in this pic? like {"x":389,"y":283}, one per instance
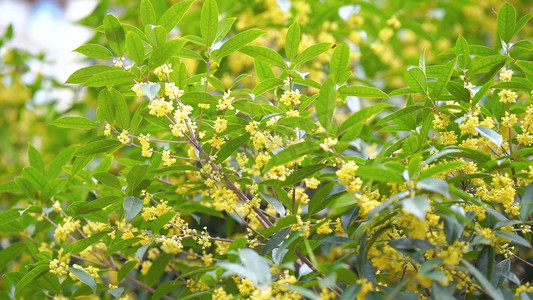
{"x":216,"y":159}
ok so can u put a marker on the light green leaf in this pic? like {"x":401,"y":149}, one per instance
{"x":81,"y":75}
{"x":442,"y":79}
{"x":132,"y":207}
{"x":95,"y":50}
{"x":325,"y":103}
{"x":266,"y":55}
{"x":136,"y":175}
{"x":9,"y":216}
{"x":198,"y":97}
{"x":291,"y":153}
{"x":362,"y":91}
{"x":526,"y":66}
{"x":106,"y":107}
{"x":490,"y":134}
{"x":163,"y":53}
{"x":339,"y":61}
{"x":147,"y":12}
{"x":60,"y":160}
{"x":209,"y":21}
{"x":237,"y":42}
{"x":379,"y":174}
{"x":174,"y":14}
{"x":400,"y":113}
{"x":363,"y":115}
{"x":35,"y":159}
{"x":521,"y":23}
{"x":84,"y":277}
{"x":114,"y":34}
{"x":267,"y":85}
{"x":108,"y":179}
{"x":223,"y":28}
{"x":122,"y":112}
{"x":97,"y":204}
{"x":110,"y":78}
{"x":484,"y":64}
{"x":311,"y":53}
{"x":35,"y":177}
{"x":230,"y":147}
{"x":98,"y":147}
{"x":74,"y":123}
{"x":135,"y":47}
{"x":83,"y":244}
{"x":506,"y":22}
{"x":416,"y":80}
{"x":11,"y":253}
{"x":292,"y":41}
{"x":462,"y":51}
{"x":30,"y":276}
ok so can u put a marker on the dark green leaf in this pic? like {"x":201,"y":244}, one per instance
{"x":30,"y":276}
{"x":10,"y":253}
{"x":230,"y":147}
{"x":132,"y":207}
{"x":84,"y":277}
{"x":291,"y":153}
{"x":98,"y":147}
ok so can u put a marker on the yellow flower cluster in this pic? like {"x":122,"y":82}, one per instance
{"x":292,"y":113}
{"x":441,"y":121}
{"x":226,"y":102}
{"x":152,"y":212}
{"x":171,"y":244}
{"x":507,"y":96}
{"x":163,"y":70}
{"x":366,"y":287}
{"x":124,"y":137}
{"x":196,"y":285}
{"x":159,"y":107}
{"x":506,"y":75}
{"x":291,"y":97}
{"x":329,"y":143}
{"x":167,"y":159}
{"x":63,"y":231}
{"x":324,"y":228}
{"x":172,"y":91}
{"x":182,"y":121}
{"x":58,"y":267}
{"x":137,"y":89}
{"x":220,"y":125}
{"x":311,"y":183}
{"x":144,"y":140}
{"x":346,"y":176}
{"x":107,"y":130}
{"x":224,"y":199}
{"x":453,"y":254}
{"x":509,"y":120}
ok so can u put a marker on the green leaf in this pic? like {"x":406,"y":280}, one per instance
{"x":135,"y":47}
{"x":223,"y":28}
{"x":302,"y":173}
{"x":81,"y":75}
{"x":515,"y":239}
{"x":132,"y":207}
{"x":442,"y":79}
{"x":123,"y":244}
{"x":526,"y":205}
{"x":74,"y":123}
{"x":311,"y":53}
{"x":110,"y":78}
{"x":85,"y":278}
{"x":9,"y":216}
{"x":506,"y":22}
{"x":79,"y":163}
{"x":237,"y":42}
{"x":106,"y":107}
{"x":230,"y":147}
{"x":291,"y":153}
{"x":35,"y":177}
{"x":209,"y":21}
{"x":97,"y":204}
{"x":98,"y":147}
{"x":266,"y":55}
{"x":174,"y":14}
{"x":95,"y":50}
{"x":411,"y":244}
{"x":484,"y":64}
{"x":35,"y":159}
{"x":442,"y":167}
{"x":147,"y":12}
{"x":135,"y":176}
{"x":108,"y":179}
{"x":162,"y":54}
{"x":399,"y":113}
{"x":526,"y":66}
{"x":30,"y":276}
{"x":379,"y":174}
{"x":416,"y":80}
{"x":114,"y":34}
{"x":325,"y":103}
{"x":60,"y":160}
{"x":485,"y":261}
{"x":521,"y":23}
{"x":126,"y":269}
{"x":157,"y":269}
{"x":11,"y":253}
{"x":83,"y":244}
{"x":362,"y":91}
{"x":490,"y":134}
{"x":198,"y":97}
{"x":25,"y":186}
{"x":122,"y":112}
{"x":267,"y":85}
{"x":363,"y":115}
{"x":162,"y":221}
{"x":495,"y":294}
{"x":462,"y":51}
{"x":292,"y":41}
{"x":339,"y":61}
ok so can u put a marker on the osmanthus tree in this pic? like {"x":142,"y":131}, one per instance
{"x":193,"y":187}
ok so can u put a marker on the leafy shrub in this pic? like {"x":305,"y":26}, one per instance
{"x":203,"y":186}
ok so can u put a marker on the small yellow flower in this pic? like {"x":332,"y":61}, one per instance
{"x":124,"y":138}
{"x":167,"y":159}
